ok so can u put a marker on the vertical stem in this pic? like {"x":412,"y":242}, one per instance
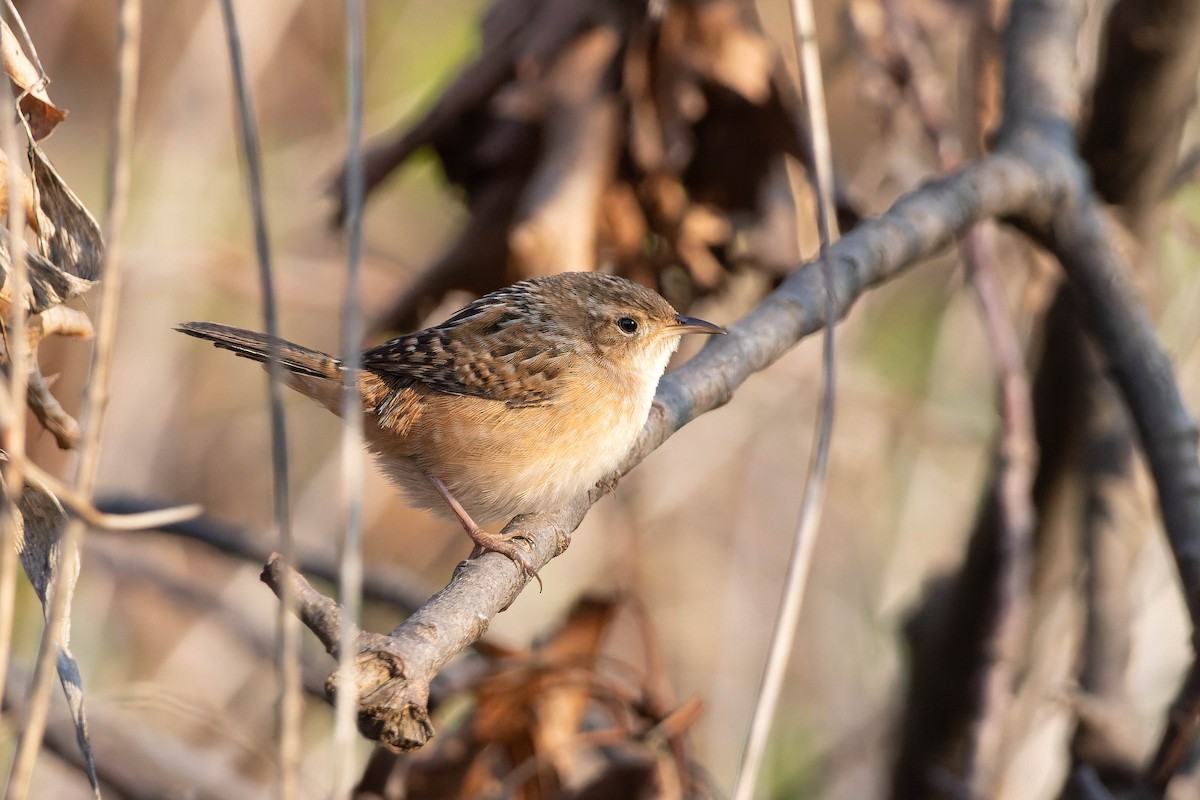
{"x":17,"y":340}
{"x":784,"y":634}
{"x":350,"y":575}
{"x":289,"y":703}
{"x":1013,"y":490}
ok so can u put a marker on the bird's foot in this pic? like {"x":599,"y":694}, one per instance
{"x":502,"y":543}
{"x":496,"y":542}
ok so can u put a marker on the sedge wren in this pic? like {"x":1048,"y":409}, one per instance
{"x":518,"y":403}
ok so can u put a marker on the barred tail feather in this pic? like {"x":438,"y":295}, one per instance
{"x":254,"y":345}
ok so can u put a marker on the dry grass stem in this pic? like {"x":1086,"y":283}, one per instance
{"x":86,"y":510}
{"x":17,"y":354}
{"x":351,"y":572}
{"x":1013,"y":489}
{"x":783,"y":634}
{"x":290,"y":700}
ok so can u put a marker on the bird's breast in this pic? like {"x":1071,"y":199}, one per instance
{"x":501,"y":461}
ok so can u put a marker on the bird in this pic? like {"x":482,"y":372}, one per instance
{"x":517,"y":403}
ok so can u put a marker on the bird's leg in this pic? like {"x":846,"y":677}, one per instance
{"x":484,"y":541}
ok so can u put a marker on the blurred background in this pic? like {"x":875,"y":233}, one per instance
{"x":174,"y":638}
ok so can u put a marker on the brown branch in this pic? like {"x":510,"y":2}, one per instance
{"x":966,"y":636}
{"x":1142,"y":370}
{"x":49,"y":412}
{"x":1087,"y":442}
{"x":54,"y":321}
{"x":380,"y":665}
{"x":322,"y":615}
{"x":1142,"y":94}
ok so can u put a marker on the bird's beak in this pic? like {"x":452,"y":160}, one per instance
{"x":692,"y":325}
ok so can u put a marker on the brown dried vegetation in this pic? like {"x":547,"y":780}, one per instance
{"x":589,"y":135}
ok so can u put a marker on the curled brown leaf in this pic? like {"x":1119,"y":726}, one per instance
{"x":39,"y":112}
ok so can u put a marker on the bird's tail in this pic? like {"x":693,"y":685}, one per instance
{"x":295,"y":359}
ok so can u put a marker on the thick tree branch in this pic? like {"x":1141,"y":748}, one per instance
{"x":1143,"y":373}
{"x":1040,"y":105}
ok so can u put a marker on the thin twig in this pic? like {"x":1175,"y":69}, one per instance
{"x":290,"y":700}
{"x":783,"y":636}
{"x":1077,"y":233}
{"x":1143,"y":372}
{"x":345,"y":730}
{"x":96,"y":400}
{"x":18,"y":372}
{"x":1042,"y":98}
{"x":86,"y":510}
{"x":1014,"y":505}
{"x":323,"y":616}
{"x":18,"y":24}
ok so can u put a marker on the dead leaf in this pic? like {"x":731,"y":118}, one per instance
{"x":69,"y":240}
{"x":67,"y":232}
{"x":594,"y":135}
{"x":730,"y":50}
{"x":41,"y":115}
{"x":48,"y":285}
{"x":66,"y":265}
{"x":559,"y":208}
{"x":39,"y":522}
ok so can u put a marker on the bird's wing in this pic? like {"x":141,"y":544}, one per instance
{"x":486,"y":350}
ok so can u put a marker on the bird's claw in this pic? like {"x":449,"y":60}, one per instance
{"x":502,"y":544}
{"x":608,"y":484}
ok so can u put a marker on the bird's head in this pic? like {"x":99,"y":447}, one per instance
{"x":624,"y":325}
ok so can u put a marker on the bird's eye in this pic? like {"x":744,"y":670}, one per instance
{"x":627,"y":324}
